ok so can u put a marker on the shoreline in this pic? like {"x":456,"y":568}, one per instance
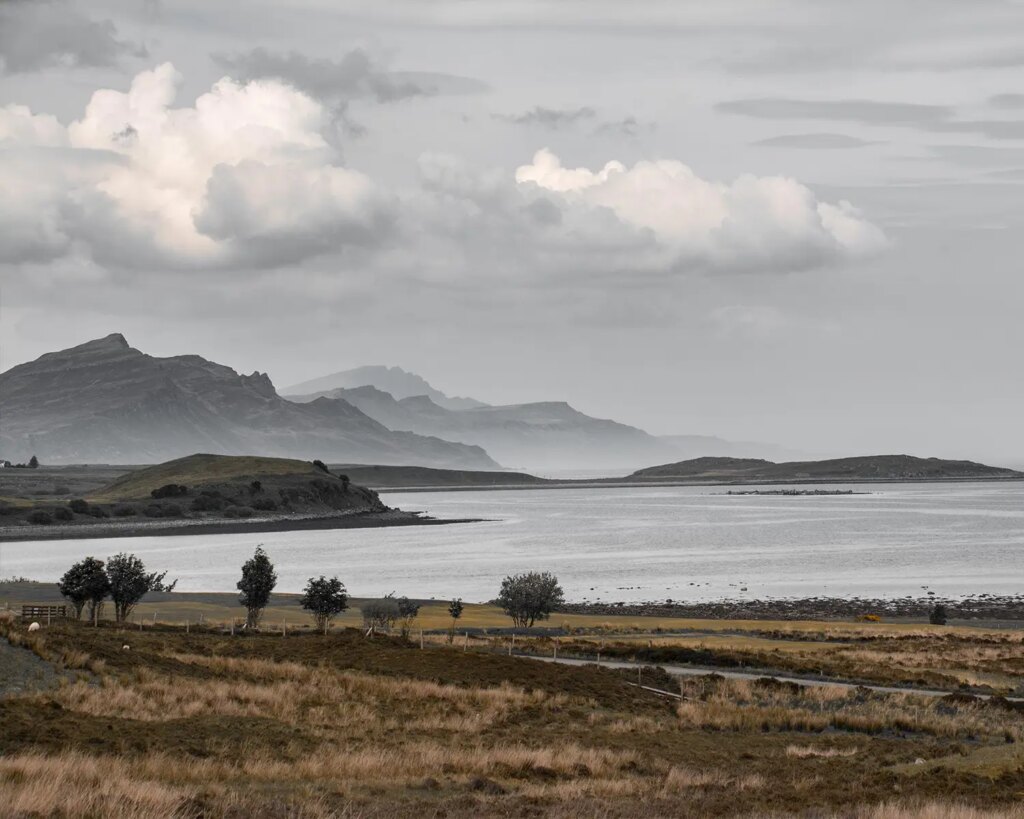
{"x":224,"y":526}
{"x":619,"y":483}
{"x":971,"y":607}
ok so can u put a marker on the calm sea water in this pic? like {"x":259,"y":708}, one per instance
{"x":647,"y":543}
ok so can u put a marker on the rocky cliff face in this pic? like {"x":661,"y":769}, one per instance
{"x":106,"y":402}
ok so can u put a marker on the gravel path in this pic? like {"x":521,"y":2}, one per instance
{"x":22,"y":672}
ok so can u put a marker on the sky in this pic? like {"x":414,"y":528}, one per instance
{"x":791,"y":222}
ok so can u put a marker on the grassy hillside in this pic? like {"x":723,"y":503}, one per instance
{"x":198,"y":470}
{"x":206,"y":724}
{"x":420,"y":476}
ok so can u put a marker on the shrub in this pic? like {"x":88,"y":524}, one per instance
{"x":153,"y":510}
{"x":938,"y":615}
{"x":408,"y":610}
{"x":173,"y":510}
{"x":61,"y":489}
{"x":264,"y":504}
{"x":324,"y":599}
{"x":258,"y":581}
{"x":63,"y":513}
{"x":122,"y":511}
{"x":238,"y":512}
{"x":33,"y":462}
{"x":321,"y":466}
{"x":529,"y":597}
{"x":169,"y":490}
{"x":208,"y":502}
{"x":78,"y":505}
{"x":40,"y":517}
{"x":98,"y":512}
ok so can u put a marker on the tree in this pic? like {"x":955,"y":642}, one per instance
{"x":85,"y":582}
{"x":258,"y":581}
{"x":380,"y":614}
{"x":529,"y":597}
{"x":455,"y":610}
{"x":938,"y":615}
{"x":408,"y":610}
{"x":33,"y":462}
{"x":325,"y":599}
{"x":129,"y":583}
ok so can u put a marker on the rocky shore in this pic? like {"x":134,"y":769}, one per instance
{"x":975,"y":607}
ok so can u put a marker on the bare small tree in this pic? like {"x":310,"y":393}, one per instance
{"x":380,"y":614}
{"x":408,"y":611}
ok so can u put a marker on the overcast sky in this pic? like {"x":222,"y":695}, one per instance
{"x":795,"y":222}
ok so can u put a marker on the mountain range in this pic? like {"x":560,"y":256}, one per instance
{"x":106,"y":402}
{"x":543,"y":436}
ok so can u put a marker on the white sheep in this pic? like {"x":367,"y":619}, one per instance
{"x":126,"y":647}
{"x":34,"y":627}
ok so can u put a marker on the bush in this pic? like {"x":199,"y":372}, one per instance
{"x":62,"y":513}
{"x":264,"y":504}
{"x":124,"y":511}
{"x":170,"y":490}
{"x":40,"y":517}
{"x":208,"y":502}
{"x":98,"y":512}
{"x":79,"y":505}
{"x":938,"y":615}
{"x":238,"y":512}
{"x":321,"y":466}
{"x":154,"y":510}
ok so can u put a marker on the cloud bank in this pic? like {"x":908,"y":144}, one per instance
{"x":251,"y":176}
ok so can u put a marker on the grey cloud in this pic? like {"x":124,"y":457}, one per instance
{"x":627,"y":126}
{"x":1007,"y":101}
{"x":815,"y":141}
{"x":39,"y":34}
{"x":550,"y":117}
{"x":355,"y":75}
{"x":978,"y":155}
{"x":867,"y":112}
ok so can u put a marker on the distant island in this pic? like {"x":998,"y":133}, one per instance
{"x":864,"y":468}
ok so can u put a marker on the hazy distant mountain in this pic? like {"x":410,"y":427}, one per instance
{"x":866,"y":468}
{"x":104,"y":401}
{"x":539,"y":436}
{"x":393,"y":380}
{"x":701,"y":446}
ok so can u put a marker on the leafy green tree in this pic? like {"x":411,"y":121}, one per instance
{"x":529,"y":597}
{"x":258,"y":581}
{"x":455,"y":610}
{"x":325,"y":598}
{"x":130,"y":582}
{"x":85,"y":582}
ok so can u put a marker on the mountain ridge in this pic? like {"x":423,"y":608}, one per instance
{"x":105,"y":401}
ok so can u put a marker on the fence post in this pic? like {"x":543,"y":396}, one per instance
{"x":284,"y":627}
{"x":186,"y":625}
{"x":421,"y":639}
{"x":154,"y":617}
{"x":232,"y":626}
{"x":555,"y":655}
{"x":465,"y":644}
{"x":47,"y":615}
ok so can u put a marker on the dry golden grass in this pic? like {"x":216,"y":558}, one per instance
{"x":740,"y":705}
{"x":811,"y":751}
{"x":291,"y":692}
{"x":76,"y":785}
